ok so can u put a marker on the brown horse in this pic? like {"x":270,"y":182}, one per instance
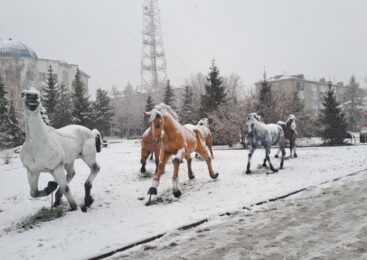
{"x":149,"y":146}
{"x":290,"y":133}
{"x":177,"y":140}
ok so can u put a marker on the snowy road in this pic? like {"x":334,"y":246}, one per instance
{"x":324,"y":223}
{"x":119,"y":216}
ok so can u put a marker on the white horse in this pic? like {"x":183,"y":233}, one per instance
{"x":266,"y":135}
{"x":47,"y":149}
{"x":203,"y":124}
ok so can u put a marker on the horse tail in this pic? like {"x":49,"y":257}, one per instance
{"x":98,"y":138}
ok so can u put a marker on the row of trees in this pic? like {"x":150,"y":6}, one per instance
{"x":223,"y":101}
{"x":65,"y":107}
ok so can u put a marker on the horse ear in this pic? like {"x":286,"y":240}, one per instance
{"x":147,"y":113}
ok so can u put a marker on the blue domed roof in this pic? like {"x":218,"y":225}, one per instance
{"x":10,"y":48}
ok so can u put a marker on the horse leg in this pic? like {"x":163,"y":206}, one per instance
{"x":281,"y":147}
{"x":70,"y":173}
{"x":291,"y":144}
{"x":267,"y":156}
{"x":176,"y":190}
{"x":94,"y":169}
{"x":294,"y":148}
{"x":143,"y":159}
{"x":156,"y":156}
{"x":200,"y":149}
{"x":60,"y":178}
{"x":33,"y":178}
{"x":264,"y":163}
{"x":209,"y":143}
{"x":250,"y":153}
{"x":164,"y":156}
{"x":277,"y":154}
{"x":210,"y":150}
{"x":190,"y":172}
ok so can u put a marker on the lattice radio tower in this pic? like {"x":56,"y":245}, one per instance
{"x":153,"y":61}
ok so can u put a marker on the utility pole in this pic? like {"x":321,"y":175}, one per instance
{"x":153,"y":61}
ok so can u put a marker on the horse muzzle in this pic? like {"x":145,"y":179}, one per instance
{"x":32,"y":105}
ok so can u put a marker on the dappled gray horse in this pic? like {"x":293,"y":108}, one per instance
{"x":266,"y":135}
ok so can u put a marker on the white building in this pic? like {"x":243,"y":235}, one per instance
{"x":20,"y":68}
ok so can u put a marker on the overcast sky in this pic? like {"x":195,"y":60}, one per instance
{"x":323,"y":38}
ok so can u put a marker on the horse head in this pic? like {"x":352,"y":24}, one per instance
{"x":291,"y":122}
{"x":292,"y":117}
{"x":156,"y":123}
{"x":204,"y":122}
{"x":31,"y":100}
{"x":252,"y":119}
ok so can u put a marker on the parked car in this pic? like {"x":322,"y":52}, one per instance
{"x":363,"y":135}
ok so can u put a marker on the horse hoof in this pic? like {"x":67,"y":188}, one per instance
{"x":88,"y":201}
{"x":215,"y":176}
{"x":73,"y":208}
{"x":152,"y":191}
{"x":295,"y":156}
{"x":275,"y":170}
{"x":248,"y":172}
{"x":52,"y":186}
{"x":142,"y":170}
{"x":191,"y":176}
{"x":177,"y":193}
{"x":84,"y":208}
{"x":56,"y":204}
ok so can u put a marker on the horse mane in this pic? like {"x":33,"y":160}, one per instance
{"x":161,"y":108}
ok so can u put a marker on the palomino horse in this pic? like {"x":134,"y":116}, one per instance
{"x":176,"y":140}
{"x":47,"y":149}
{"x":149,"y":146}
{"x":265,"y":135}
{"x":203,"y":124}
{"x":290,"y":134}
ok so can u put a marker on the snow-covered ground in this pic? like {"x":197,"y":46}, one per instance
{"x":328,"y":222}
{"x":119,"y":217}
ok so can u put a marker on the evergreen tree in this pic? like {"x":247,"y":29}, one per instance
{"x":51,"y":95}
{"x":186,"y":109}
{"x":63,"y":116}
{"x":103,"y":112}
{"x":265,"y":100}
{"x":169,"y":97}
{"x":215,"y":92}
{"x":148,"y":107}
{"x":5,"y":138}
{"x":81,"y":106}
{"x":14,"y":130}
{"x":333,"y":124}
{"x":353,"y":98}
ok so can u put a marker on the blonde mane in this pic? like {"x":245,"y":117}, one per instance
{"x":160,"y":109}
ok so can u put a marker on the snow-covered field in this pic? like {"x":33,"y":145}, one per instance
{"x":118,"y":217}
{"x":326,"y":222}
